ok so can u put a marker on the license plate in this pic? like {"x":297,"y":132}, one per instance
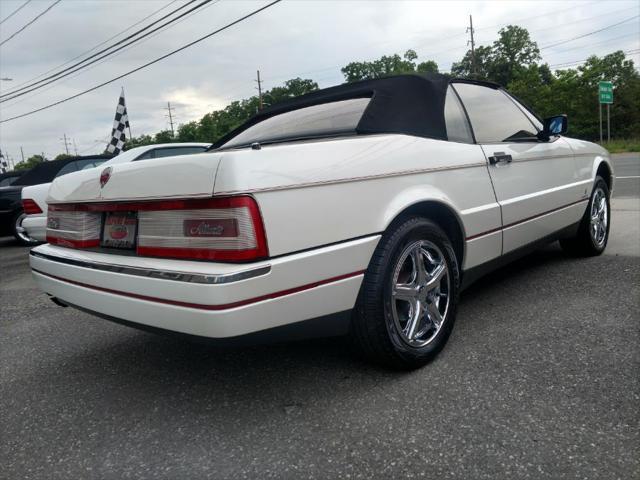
{"x":119,"y":230}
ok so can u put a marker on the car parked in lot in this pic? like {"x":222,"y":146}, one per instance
{"x":34,"y":204}
{"x":34,"y":197}
{"x":361,"y":209}
{"x":8,"y":178}
{"x":12,"y":213}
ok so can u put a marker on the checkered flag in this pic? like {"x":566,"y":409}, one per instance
{"x":118,"y":137}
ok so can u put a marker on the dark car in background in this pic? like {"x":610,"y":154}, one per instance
{"x":8,"y":178}
{"x":11,"y":211}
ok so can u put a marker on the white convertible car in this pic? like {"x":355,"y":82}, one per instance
{"x":360,"y":209}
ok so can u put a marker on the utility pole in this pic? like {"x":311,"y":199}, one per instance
{"x":259,"y":89}
{"x":22,"y":153}
{"x":75,"y":147}
{"x":170,"y":118}
{"x":473,"y":46}
{"x":66,"y":142}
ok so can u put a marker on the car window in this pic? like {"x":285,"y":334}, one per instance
{"x":532,"y":118}
{"x":333,"y":118}
{"x":68,"y":168}
{"x":145,"y":156}
{"x":172,"y":151}
{"x":5,"y":182}
{"x":494,"y":116}
{"x":89,"y":163}
{"x":458,"y":129}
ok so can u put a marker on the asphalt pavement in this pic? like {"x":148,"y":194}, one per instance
{"x":540,"y":379}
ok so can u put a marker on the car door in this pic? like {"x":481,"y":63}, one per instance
{"x":533,"y":180}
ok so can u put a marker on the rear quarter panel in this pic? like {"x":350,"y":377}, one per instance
{"x":318,"y":193}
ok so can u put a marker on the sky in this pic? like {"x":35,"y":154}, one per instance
{"x":294,"y":38}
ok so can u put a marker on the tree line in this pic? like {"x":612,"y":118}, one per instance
{"x":513,"y":60}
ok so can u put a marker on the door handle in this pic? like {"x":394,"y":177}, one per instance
{"x":500,"y":157}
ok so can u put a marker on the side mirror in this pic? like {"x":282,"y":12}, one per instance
{"x":556,"y":125}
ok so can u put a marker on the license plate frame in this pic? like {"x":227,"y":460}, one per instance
{"x":119,"y":230}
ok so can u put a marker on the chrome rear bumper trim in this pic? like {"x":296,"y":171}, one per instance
{"x":159,"y":274}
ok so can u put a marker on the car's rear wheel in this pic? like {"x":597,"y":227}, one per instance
{"x":593,"y":233}
{"x":407,"y":303}
{"x":20,"y":233}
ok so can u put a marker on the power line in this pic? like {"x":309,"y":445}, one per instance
{"x":589,"y":33}
{"x":91,"y":67}
{"x":608,"y":40}
{"x":31,"y":22}
{"x":16,"y":87}
{"x":628,"y":52}
{"x":14,"y":12}
{"x":137,"y":69}
{"x":79,"y":65}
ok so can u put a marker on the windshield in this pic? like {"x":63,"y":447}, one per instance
{"x":328,"y":119}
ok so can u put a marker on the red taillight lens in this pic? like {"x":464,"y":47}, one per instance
{"x":30,"y":207}
{"x":227,"y":229}
{"x":73,"y":228}
{"x":218,"y":229}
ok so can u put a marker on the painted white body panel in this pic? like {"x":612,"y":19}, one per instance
{"x":36,"y":225}
{"x":324,"y":205}
{"x":322,"y":191}
{"x":286,"y":273}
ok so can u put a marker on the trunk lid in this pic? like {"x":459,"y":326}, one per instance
{"x":187,"y":176}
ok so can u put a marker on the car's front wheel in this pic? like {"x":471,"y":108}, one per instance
{"x":593,"y":233}
{"x":407,"y":303}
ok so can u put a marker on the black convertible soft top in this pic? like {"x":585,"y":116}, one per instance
{"x":45,"y":172}
{"x":411,"y":104}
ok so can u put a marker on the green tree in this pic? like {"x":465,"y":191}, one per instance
{"x":575,"y":92}
{"x":387,"y":65}
{"x":511,"y":53}
{"x":63,"y":156}
{"x":30,"y":162}
{"x":479,"y":70}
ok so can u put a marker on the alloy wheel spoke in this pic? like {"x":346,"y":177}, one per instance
{"x":414,"y":320}
{"x":436,"y":276}
{"x":418,"y":261}
{"x":403,"y":291}
{"x":434,"y":315}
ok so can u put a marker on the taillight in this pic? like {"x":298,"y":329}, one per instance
{"x":30,"y":207}
{"x":227,"y":229}
{"x":217,"y":229}
{"x":70,"y":228}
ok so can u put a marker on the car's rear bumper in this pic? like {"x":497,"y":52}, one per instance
{"x":203,"y":298}
{"x":36,"y":227}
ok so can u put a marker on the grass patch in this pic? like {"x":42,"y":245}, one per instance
{"x":622,"y":145}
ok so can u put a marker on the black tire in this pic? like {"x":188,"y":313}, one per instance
{"x":373,"y":330}
{"x":20,"y":237}
{"x":584,"y":244}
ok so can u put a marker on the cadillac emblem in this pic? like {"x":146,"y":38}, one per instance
{"x":105,"y":176}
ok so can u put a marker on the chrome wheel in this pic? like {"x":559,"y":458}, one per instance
{"x":599,"y":217}
{"x":21,"y":233}
{"x":420,"y":293}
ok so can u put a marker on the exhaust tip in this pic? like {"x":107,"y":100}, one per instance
{"x":58,"y":302}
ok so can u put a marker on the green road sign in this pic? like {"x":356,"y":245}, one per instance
{"x":605,"y":91}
